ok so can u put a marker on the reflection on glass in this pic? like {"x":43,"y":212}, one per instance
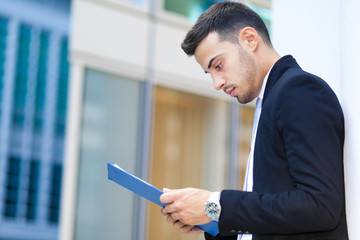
{"x":191,"y":9}
{"x":3,"y":36}
{"x":12,"y":187}
{"x":41,"y":81}
{"x":264,"y":13}
{"x":189,"y":149}
{"x":109,"y":134}
{"x":21,"y":76}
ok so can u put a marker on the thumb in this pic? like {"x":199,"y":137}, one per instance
{"x":165,"y":190}
{"x":166,"y":197}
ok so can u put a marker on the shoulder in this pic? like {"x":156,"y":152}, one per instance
{"x":298,"y":85}
{"x":297,"y":79}
{"x":297,"y":94}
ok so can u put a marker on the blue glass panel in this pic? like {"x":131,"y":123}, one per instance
{"x":109,"y":133}
{"x":62,"y":89}
{"x":191,"y":9}
{"x":12,"y":194}
{"x":13,"y":180}
{"x":32,"y":198}
{"x":31,"y":213}
{"x":10,"y":209}
{"x":3,"y":36}
{"x":12,"y":187}
{"x":55,"y":190}
{"x":14,"y":166}
{"x":21,"y":75}
{"x":41,"y":81}
{"x":264,"y":13}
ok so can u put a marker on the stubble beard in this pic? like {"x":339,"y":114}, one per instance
{"x":249,"y":76}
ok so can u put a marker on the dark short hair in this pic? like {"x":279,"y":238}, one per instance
{"x":226,"y":19}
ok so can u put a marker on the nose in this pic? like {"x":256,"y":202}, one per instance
{"x":219,"y":82}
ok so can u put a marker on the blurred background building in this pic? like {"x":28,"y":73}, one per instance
{"x":137,"y":100}
{"x":33,"y":100}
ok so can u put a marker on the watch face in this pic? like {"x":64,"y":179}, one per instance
{"x":212,"y":208}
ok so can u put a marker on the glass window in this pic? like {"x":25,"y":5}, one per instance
{"x":189,"y":149}
{"x":33,"y":189}
{"x":191,"y":9}
{"x":21,"y":75}
{"x":55,"y":191}
{"x":110,"y":124}
{"x":3,"y":36}
{"x":62,"y":90}
{"x":12,"y":187}
{"x":264,"y":12}
{"x":41,"y":81}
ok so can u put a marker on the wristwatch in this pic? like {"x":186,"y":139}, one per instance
{"x":212,"y":206}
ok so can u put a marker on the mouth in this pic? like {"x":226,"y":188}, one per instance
{"x":230,"y":92}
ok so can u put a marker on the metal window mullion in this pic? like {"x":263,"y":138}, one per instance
{"x":143,"y":164}
{"x":72,"y":140}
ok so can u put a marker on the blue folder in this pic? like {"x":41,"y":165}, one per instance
{"x":148,"y":191}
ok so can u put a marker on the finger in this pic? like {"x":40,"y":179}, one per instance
{"x":165,"y":190}
{"x":186,"y":228}
{"x":168,"y":197}
{"x":170,"y":219}
{"x":178,"y":225}
{"x":170,"y":208}
{"x":195,"y":230}
{"x":164,"y":212}
{"x":175,"y":216}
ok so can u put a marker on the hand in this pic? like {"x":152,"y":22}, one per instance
{"x":185,"y":206}
{"x":182,"y":227}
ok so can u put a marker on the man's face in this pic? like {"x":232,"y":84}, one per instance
{"x":232,"y":69}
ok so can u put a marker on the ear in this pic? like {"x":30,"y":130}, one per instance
{"x":249,"y":37}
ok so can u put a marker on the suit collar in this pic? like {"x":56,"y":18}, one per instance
{"x":281,"y":66}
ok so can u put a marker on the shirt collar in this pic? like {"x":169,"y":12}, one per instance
{"x":261,"y":94}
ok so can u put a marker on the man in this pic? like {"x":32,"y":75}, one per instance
{"x":294,"y":187}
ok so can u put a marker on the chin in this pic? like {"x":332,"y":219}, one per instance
{"x":245,"y":98}
{"x":243,"y":101}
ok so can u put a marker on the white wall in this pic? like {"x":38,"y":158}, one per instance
{"x":350,"y":87}
{"x":324,"y":37}
{"x":307,"y":30}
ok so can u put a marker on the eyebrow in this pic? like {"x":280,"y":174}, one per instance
{"x":211,"y":61}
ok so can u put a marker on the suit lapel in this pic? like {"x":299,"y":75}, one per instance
{"x":281,"y":66}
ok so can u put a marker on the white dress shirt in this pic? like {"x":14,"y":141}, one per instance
{"x":248,"y":184}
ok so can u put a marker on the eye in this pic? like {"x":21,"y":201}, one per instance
{"x":218,"y":66}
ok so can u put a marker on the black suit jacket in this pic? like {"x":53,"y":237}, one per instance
{"x":298,"y":190}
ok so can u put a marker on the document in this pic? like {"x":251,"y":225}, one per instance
{"x":147,"y":191}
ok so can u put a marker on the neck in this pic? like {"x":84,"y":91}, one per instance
{"x":271,"y":57}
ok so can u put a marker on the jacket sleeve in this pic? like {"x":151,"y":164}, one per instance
{"x":209,"y":237}
{"x":310,"y":122}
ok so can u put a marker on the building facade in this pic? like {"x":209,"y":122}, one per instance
{"x":33,"y":103}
